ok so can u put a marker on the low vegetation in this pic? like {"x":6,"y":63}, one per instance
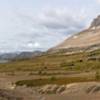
{"x":97,"y":76}
{"x":85,"y":61}
{"x":56,"y":64}
{"x":54,"y":80}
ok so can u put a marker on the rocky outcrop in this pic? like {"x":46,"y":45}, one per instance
{"x":52,"y":89}
{"x":9,"y":95}
{"x":96,"y":22}
{"x":74,"y":88}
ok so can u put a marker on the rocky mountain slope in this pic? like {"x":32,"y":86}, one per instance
{"x":87,"y":39}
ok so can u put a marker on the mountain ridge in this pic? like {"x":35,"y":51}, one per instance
{"x":16,"y":56}
{"x":85,"y":39}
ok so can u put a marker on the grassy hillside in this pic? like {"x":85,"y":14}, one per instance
{"x":84,"y":61}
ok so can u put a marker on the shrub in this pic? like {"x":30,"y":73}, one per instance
{"x":39,"y":72}
{"x":53,"y":78}
{"x":97,"y":75}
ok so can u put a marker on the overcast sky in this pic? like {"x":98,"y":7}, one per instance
{"x":28,"y":25}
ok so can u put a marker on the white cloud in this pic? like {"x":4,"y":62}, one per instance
{"x":50,"y":27}
{"x":47,"y":28}
{"x":98,"y":1}
{"x":60,"y":19}
{"x":33,"y":45}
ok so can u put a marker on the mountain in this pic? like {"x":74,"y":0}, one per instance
{"x":88,"y":39}
{"x":26,"y":55}
{"x":22,"y":55}
{"x":6,"y":56}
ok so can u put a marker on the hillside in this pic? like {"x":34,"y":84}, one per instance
{"x":58,"y":61}
{"x":87,"y":39}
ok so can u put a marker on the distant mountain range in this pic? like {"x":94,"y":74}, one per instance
{"x":22,"y":55}
{"x":88,"y":39}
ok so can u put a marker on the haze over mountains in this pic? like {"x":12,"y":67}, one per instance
{"x":22,"y":55}
{"x":87,"y":39}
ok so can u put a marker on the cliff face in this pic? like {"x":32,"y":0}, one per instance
{"x":96,"y":22}
{"x":85,"y":39}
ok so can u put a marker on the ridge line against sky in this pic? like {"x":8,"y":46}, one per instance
{"x":28,"y":25}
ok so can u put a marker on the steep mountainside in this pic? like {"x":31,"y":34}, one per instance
{"x":87,"y":39}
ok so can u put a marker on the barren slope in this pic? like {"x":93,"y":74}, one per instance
{"x":84,"y":39}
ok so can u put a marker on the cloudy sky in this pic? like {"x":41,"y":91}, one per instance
{"x":28,"y":25}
